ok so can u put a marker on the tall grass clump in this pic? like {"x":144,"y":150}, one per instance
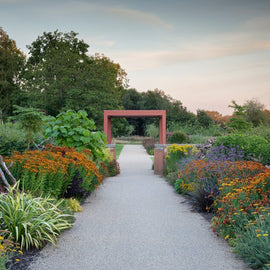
{"x":32,"y":221}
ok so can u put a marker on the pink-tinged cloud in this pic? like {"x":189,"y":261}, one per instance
{"x":215,"y":47}
{"x":140,"y":16}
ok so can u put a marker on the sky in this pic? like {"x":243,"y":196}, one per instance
{"x":204,"y":53}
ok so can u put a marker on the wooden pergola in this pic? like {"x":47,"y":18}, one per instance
{"x":160,"y":114}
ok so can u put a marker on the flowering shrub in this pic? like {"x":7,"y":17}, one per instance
{"x":199,"y":178}
{"x":242,"y":215}
{"x":108,"y":166}
{"x":176,"y":152}
{"x":240,"y":196}
{"x":58,"y":171}
{"x":223,"y":153}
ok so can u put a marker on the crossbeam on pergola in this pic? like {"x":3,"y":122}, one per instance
{"x":160,"y":114}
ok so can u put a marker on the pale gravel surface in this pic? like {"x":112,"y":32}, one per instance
{"x":136,"y":221}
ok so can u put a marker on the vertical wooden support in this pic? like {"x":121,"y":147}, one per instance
{"x":159,"y":158}
{"x":107,"y":127}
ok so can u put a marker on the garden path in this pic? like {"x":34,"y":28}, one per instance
{"x":136,"y":221}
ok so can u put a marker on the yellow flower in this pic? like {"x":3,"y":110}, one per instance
{"x":226,"y":237}
{"x":17,"y":260}
{"x":258,"y":235}
{"x":265,"y":234}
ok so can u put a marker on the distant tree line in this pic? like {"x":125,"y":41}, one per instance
{"x":58,"y":75}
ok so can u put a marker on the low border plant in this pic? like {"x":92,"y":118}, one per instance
{"x":32,"y":221}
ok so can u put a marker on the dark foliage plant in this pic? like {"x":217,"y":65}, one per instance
{"x":204,"y":194}
{"x":76,"y":189}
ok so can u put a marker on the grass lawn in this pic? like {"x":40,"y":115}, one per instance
{"x":118,"y":149}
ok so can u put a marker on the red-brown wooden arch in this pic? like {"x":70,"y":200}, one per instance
{"x":161,"y":114}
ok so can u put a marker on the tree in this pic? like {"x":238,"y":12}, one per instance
{"x":154,"y":100}
{"x":203,"y":118}
{"x":255,"y":112}
{"x":238,"y":121}
{"x":59,"y":76}
{"x":267,"y":113}
{"x":132,"y":99}
{"x":31,"y":120}
{"x":11,"y":61}
{"x":56,"y":60}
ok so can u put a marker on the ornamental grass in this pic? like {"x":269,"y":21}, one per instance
{"x":56,"y":171}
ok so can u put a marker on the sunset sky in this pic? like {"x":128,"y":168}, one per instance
{"x":205,"y":53}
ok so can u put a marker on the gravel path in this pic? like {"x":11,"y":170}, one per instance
{"x":135,"y":221}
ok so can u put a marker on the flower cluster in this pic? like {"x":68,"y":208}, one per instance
{"x":240,"y":197}
{"x":201,"y":177}
{"x":178,"y":149}
{"x":175,"y":153}
{"x":242,"y":216}
{"x":223,"y":153}
{"x":55,"y":170}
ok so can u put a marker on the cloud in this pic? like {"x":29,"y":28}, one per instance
{"x":258,"y":23}
{"x":125,"y":14}
{"x":140,"y":16}
{"x":242,"y":41}
{"x":187,"y":53}
{"x":99,"y":41}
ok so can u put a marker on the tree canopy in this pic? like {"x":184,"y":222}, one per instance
{"x":11,"y":60}
{"x":59,"y":75}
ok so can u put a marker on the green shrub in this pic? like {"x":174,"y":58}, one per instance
{"x":12,"y":138}
{"x":74,"y":205}
{"x":73,"y":129}
{"x":198,"y":139}
{"x":262,"y":131}
{"x":178,"y":137}
{"x":152,"y":131}
{"x":238,"y":124}
{"x":257,"y":146}
{"x":32,"y":221}
{"x":196,"y":129}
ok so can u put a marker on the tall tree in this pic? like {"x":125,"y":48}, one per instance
{"x":204,"y":119}
{"x":255,"y":112}
{"x":56,"y":60}
{"x":59,"y":75}
{"x":11,"y":61}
